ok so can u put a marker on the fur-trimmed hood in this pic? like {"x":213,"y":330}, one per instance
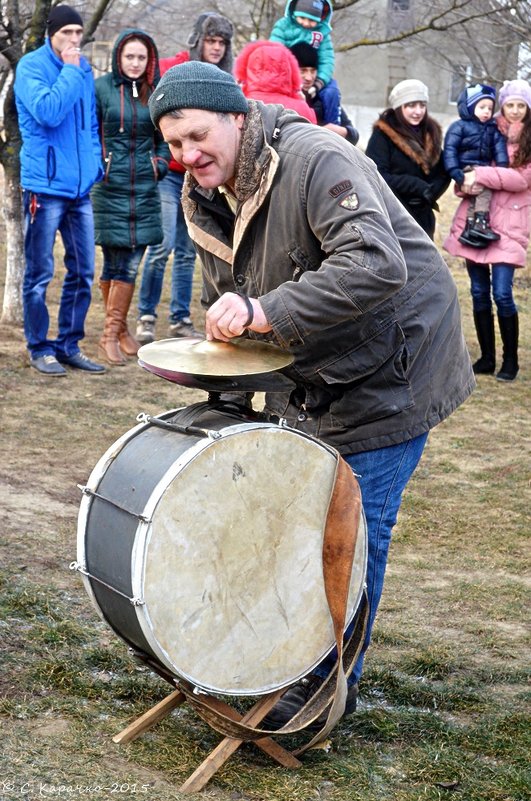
{"x":426,"y":155}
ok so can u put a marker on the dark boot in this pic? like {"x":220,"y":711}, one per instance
{"x":481,"y":229}
{"x":105,"y":287}
{"x":109,"y":345}
{"x":509,"y":335}
{"x":468,"y":237}
{"x":484,"y":322}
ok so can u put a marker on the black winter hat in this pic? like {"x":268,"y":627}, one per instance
{"x":305,"y":54}
{"x":60,"y":16}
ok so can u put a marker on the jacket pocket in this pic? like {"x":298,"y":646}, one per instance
{"x":51,"y":164}
{"x":370,"y":382}
{"x":301,"y":263}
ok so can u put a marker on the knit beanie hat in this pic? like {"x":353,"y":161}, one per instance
{"x":312,"y":9}
{"x":196,"y":84}
{"x":480,"y":91}
{"x":61,"y":16}
{"x":305,"y":54}
{"x":408,"y":91}
{"x":515,"y":90}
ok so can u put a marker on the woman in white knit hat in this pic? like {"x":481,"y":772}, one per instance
{"x":491,"y":270}
{"x":406,"y":146}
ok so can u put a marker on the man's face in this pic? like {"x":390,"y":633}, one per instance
{"x":214,"y":48}
{"x":308,"y":76}
{"x":206,"y":143}
{"x":70,"y":35}
{"x":484,"y":109}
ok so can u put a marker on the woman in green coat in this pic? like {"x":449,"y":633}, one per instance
{"x":126,"y":203}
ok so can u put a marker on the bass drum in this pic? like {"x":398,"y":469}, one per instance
{"x":202,"y":548}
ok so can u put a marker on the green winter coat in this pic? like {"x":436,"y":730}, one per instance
{"x":126,"y":203}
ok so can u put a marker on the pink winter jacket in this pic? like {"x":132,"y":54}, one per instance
{"x":510,"y":216}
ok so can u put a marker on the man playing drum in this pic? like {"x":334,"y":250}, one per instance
{"x":302,"y":244}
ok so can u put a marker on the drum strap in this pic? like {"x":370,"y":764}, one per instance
{"x":339,"y":545}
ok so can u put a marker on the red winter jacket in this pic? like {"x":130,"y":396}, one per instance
{"x":267,"y":71}
{"x":164,"y":66}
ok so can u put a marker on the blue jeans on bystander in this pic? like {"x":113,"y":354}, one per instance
{"x":176,"y":239}
{"x":382,"y":475}
{"x":44,"y":215}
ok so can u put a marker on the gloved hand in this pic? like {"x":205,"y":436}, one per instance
{"x":315,"y":88}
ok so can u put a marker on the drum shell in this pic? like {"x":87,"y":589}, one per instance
{"x":124,"y":495}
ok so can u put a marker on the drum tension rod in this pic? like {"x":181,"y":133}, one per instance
{"x":87,"y":491}
{"x":195,"y":430}
{"x":80,"y":569}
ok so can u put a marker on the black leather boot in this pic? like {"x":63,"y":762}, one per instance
{"x":481,"y":229}
{"x":509,"y":335}
{"x":484,"y":322}
{"x":469,"y":238}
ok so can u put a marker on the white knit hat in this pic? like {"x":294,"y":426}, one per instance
{"x":409,"y":91}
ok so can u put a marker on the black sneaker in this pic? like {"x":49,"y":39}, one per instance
{"x":296,"y":697}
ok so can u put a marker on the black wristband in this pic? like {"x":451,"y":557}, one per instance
{"x":250,"y":311}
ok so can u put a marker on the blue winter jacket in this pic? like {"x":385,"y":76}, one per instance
{"x":290,"y":33}
{"x":469,"y":142}
{"x":61,"y":152}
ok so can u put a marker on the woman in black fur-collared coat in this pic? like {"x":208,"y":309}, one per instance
{"x":406,"y":145}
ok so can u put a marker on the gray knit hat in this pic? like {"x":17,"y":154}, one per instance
{"x":408,"y":91}
{"x":196,"y":84}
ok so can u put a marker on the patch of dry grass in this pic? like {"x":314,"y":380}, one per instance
{"x":443,"y":700}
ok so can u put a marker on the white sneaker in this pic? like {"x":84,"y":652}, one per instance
{"x":145,"y":328}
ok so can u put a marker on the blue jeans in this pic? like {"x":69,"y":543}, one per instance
{"x":499,"y":279}
{"x":121,"y":264}
{"x":44,"y":215}
{"x":382,"y":475}
{"x":175,"y":239}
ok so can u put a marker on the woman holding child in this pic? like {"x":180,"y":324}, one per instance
{"x":491,"y":269}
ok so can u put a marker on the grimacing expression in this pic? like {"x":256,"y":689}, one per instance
{"x":206,"y":143}
{"x":133,"y":59}
{"x":214,"y":48}
{"x":65,"y":37}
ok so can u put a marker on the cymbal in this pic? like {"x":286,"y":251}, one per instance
{"x":241,"y":365}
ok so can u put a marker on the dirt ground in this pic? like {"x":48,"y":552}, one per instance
{"x":457,"y":573}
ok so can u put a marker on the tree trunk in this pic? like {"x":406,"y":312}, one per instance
{"x":12,"y":209}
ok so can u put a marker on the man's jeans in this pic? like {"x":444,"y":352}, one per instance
{"x":175,"y":239}
{"x":382,"y":475}
{"x":44,"y":215}
{"x":499,"y":279}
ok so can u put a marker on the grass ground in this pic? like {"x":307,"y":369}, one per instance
{"x":444,"y":709}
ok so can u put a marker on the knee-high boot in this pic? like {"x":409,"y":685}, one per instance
{"x":484,"y":322}
{"x":509,"y":335}
{"x":128,"y":344}
{"x":109,"y":345}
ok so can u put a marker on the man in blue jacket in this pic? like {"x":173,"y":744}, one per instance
{"x":60,"y":161}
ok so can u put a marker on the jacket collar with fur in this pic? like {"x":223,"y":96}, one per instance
{"x":426,"y":155}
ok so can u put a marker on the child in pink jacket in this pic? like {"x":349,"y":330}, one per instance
{"x":491,"y":270}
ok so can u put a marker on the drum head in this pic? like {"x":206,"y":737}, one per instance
{"x":231,"y":570}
